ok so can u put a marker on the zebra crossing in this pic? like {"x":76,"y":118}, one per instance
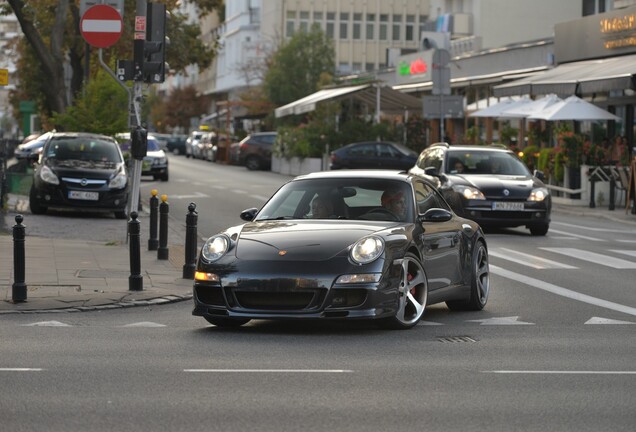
{"x":541,"y":261}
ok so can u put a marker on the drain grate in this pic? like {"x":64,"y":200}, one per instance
{"x":456,"y":339}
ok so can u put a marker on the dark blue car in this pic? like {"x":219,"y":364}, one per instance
{"x":373,"y":155}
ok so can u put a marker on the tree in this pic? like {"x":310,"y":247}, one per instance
{"x":176,"y":111}
{"x":53,"y":40}
{"x":297,"y":66}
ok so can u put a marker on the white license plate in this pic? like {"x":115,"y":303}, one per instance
{"x":502,"y":205}
{"x":83,"y":195}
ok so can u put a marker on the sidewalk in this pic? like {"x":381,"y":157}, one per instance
{"x":66,"y":274}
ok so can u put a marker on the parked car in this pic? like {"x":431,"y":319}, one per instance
{"x":176,"y":144}
{"x":488,"y":184}
{"x":192,"y":142}
{"x":154,"y":164}
{"x":372,"y":155}
{"x":31,"y":147}
{"x":359,"y":260}
{"x":255,"y":150}
{"x":80,"y":171}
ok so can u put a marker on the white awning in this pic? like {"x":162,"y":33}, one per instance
{"x":390,"y":100}
{"x":583,"y":77}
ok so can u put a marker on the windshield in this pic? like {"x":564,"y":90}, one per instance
{"x":82,"y":152}
{"x":485,"y":163}
{"x":342,"y":198}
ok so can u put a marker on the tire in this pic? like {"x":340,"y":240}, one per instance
{"x":479,"y":282}
{"x":34,"y":204}
{"x":176,"y":151}
{"x":165,"y":177}
{"x":539,"y":230}
{"x":413,"y":295}
{"x":227,"y":322}
{"x":253,"y":163}
{"x":121,"y":214}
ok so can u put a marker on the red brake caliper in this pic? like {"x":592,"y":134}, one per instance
{"x":409,"y":277}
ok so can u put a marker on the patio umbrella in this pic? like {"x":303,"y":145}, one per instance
{"x":498,"y":108}
{"x":529,"y":110}
{"x":574,"y":108}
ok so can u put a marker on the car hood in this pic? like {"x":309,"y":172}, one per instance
{"x":301,"y":240}
{"x":494,"y":186}
{"x":155,"y":154}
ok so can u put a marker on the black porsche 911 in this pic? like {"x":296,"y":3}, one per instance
{"x":353,"y":244}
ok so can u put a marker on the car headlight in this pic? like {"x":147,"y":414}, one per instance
{"x":215,"y":247}
{"x":469,"y":192}
{"x":119,"y":181}
{"x":367,"y":250}
{"x":47,"y":175}
{"x":159,"y":161}
{"x":538,"y":194}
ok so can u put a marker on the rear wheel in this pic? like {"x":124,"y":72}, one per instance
{"x":120,"y":214}
{"x":227,"y":322}
{"x":479,"y":282}
{"x":413,"y":295}
{"x":253,"y":163}
{"x":34,"y":204}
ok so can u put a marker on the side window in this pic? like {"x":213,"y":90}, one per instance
{"x":385,"y":150}
{"x":427,"y":198}
{"x":363,"y":150}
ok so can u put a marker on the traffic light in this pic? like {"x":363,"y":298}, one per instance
{"x":153,"y":66}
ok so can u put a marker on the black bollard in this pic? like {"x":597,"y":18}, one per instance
{"x":612,"y":192}
{"x":191,"y":242}
{"x":19,"y":288}
{"x":592,"y":193}
{"x":135,"y":280}
{"x":153,"y":242}
{"x":162,"y":251}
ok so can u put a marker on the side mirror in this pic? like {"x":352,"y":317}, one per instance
{"x":33,"y":158}
{"x":539,"y":174}
{"x":436,"y":215}
{"x":431,"y":171}
{"x":249,"y":214}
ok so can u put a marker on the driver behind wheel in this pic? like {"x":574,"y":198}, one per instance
{"x":394,"y":201}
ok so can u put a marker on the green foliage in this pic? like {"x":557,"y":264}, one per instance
{"x":472,"y":135}
{"x":103,"y":108}
{"x":508,"y":134}
{"x":530,"y":156}
{"x":559,"y":161}
{"x":546,"y":157}
{"x":298,"y":66}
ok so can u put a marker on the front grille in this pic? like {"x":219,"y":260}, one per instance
{"x":84,"y":183}
{"x":289,"y":300}
{"x":210,"y":295}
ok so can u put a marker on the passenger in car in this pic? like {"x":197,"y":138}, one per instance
{"x":321,"y":208}
{"x":394,"y":200}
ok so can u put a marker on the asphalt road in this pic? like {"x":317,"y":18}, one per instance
{"x":553,"y":350}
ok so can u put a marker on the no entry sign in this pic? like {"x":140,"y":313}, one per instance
{"x":101,"y":26}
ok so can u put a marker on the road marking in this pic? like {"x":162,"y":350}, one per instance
{"x":144,"y":324}
{"x":584,"y":255}
{"x":626,"y":241}
{"x":429,"y":323}
{"x":258,"y":197}
{"x":195,"y":195}
{"x":564,"y":292}
{"x":625,"y":252}
{"x":47,"y":324}
{"x":562,"y":372}
{"x":239,"y":191}
{"x":270,"y":370}
{"x":21,"y":369}
{"x":610,"y":230}
{"x":527,"y":259}
{"x":513,"y":320}
{"x":576,"y":235}
{"x":599,"y":320}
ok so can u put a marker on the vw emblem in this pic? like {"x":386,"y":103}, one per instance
{"x":506,"y":192}
{"x":84,"y":182}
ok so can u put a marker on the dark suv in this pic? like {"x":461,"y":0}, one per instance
{"x":255,"y":150}
{"x":488,"y":184}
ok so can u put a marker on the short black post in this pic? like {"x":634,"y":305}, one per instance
{"x":164,"y":208}
{"x":19,"y":288}
{"x":153,"y":242}
{"x":135,"y":280}
{"x":612,"y":192}
{"x":191,"y":242}
{"x":592,"y":192}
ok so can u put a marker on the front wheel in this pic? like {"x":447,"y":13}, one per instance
{"x":252,"y":163}
{"x":539,"y":230}
{"x":479,"y":282}
{"x":34,"y":204}
{"x":413,"y":295}
{"x":227,"y":322}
